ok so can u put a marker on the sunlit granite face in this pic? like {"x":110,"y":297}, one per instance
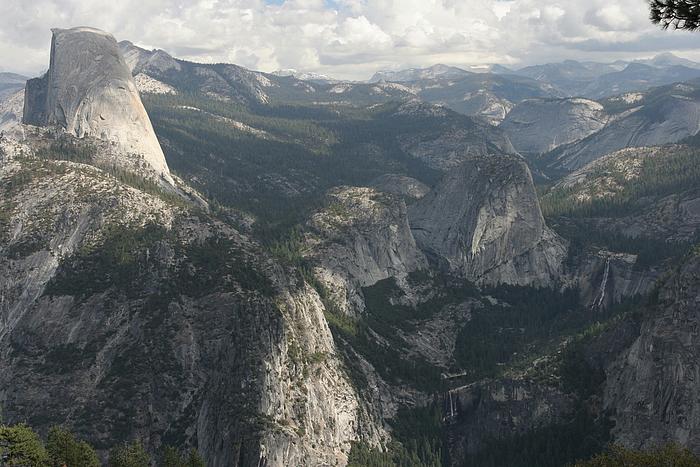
{"x":89,"y":91}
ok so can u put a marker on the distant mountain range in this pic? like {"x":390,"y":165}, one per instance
{"x":415,"y":74}
{"x":571,"y":78}
{"x":260,"y":269}
{"x":304,"y":75}
{"x":10,"y":82}
{"x":488,"y":91}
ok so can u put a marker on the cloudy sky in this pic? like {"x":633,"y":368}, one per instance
{"x":349,"y":38}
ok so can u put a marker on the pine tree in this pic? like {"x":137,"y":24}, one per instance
{"x":64,"y":449}
{"x":679,"y":14}
{"x":129,"y":455}
{"x":19,"y":445}
{"x":173,"y":458}
{"x":669,"y":455}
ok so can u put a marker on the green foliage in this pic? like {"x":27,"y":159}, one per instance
{"x":418,"y":441}
{"x":555,"y":445}
{"x":215,"y":262}
{"x":65,"y":358}
{"x":577,"y":374}
{"x":381,"y":299}
{"x":649,"y":251}
{"x":173,"y":458}
{"x":280,"y":176}
{"x":524,"y":318}
{"x":6,"y":211}
{"x":360,"y":334}
{"x":125,"y":257}
{"x":67,"y":148}
{"x":396,"y":455}
{"x":129,"y":455}
{"x":674,"y":170}
{"x":146,"y":185}
{"x":337,"y":319}
{"x":384,"y":314}
{"x":116,"y":262}
{"x":21,"y":446}
{"x":64,"y":449}
{"x":288,"y":249}
{"x":670,"y":455}
{"x":363,"y":455}
{"x":579,"y":435}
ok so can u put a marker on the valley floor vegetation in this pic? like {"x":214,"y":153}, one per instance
{"x":22,"y":446}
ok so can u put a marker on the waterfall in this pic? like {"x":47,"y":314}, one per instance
{"x":598,"y":301}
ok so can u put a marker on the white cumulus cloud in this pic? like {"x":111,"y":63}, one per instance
{"x":348,"y":38}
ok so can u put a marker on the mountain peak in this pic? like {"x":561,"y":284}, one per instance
{"x":302,"y":75}
{"x":89,"y":92}
{"x":668,"y":59}
{"x":438,"y":70}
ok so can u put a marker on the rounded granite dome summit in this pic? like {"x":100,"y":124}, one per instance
{"x":89,"y":92}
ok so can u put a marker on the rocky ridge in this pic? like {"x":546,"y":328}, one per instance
{"x":92,"y":94}
{"x":651,"y":387}
{"x":540,"y":125}
{"x":449,"y":138}
{"x":662,"y":116}
{"x":484,"y":221}
{"x":670,"y":213}
{"x":68,"y":326}
{"x":362,"y":236}
{"x":401,"y":185}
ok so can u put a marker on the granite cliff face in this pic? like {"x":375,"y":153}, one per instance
{"x":126,"y":316}
{"x":11,"y":108}
{"x":607,"y":278}
{"x":401,"y":185}
{"x":540,"y":125}
{"x":662,"y":116}
{"x":362,"y":236}
{"x":498,"y":409}
{"x":484,"y":222}
{"x":11,"y":83}
{"x":89,"y":92}
{"x":670,"y":214}
{"x":651,"y":387}
{"x":443,"y":139}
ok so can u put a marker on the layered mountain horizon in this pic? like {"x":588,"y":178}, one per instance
{"x":436,"y":267}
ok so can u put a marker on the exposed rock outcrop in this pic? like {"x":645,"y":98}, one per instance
{"x":652,"y":387}
{"x":606,"y":278}
{"x":89,"y":92}
{"x":220,"y":81}
{"x":361,"y":237}
{"x":414,"y":74}
{"x":443,"y":139}
{"x":540,"y":125}
{"x":486,"y":105}
{"x":484,"y":222}
{"x":401,"y":185}
{"x":147,"y":85}
{"x":11,"y":83}
{"x":148,"y":62}
{"x":11,"y":108}
{"x":192,"y":337}
{"x":485,"y":95}
{"x":481,"y":412}
{"x":667,"y":115}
